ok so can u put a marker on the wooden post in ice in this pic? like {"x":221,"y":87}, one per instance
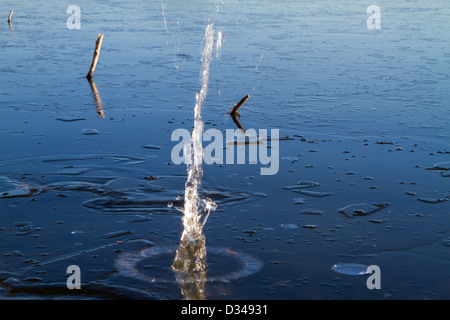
{"x":98,"y":45}
{"x":10,"y":15}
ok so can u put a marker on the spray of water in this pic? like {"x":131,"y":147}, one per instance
{"x":191,"y":253}
{"x":218,"y":43}
{"x":163,"y":5}
{"x":190,"y":260}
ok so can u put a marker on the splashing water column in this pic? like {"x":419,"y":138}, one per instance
{"x":191,"y":253}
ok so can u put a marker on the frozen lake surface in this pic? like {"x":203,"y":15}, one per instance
{"x":87,"y":179}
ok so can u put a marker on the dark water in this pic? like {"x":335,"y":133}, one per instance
{"x":86,"y":176}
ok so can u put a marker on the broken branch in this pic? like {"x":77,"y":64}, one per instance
{"x":239,"y":104}
{"x":10,"y":14}
{"x":98,"y":45}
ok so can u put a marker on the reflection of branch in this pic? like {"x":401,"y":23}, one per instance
{"x":238,"y":105}
{"x":236,"y":121}
{"x":98,"y":45}
{"x":98,"y":100}
{"x":9,"y":22}
{"x":234,"y":114}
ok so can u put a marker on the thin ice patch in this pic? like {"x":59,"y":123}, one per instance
{"x":352,"y":269}
{"x":362,"y":209}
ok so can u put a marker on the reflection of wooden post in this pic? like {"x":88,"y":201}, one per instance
{"x":98,"y":45}
{"x":98,"y":100}
{"x":10,"y":14}
{"x":239,"y":104}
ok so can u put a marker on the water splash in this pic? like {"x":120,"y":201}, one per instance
{"x":191,"y":253}
{"x":218,"y":44}
{"x":163,"y":5}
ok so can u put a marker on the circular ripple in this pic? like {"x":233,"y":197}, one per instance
{"x":127,"y":264}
